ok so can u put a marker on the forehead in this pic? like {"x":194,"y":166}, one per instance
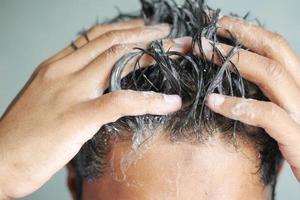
{"x":161,"y":167}
{"x":161,"y":150}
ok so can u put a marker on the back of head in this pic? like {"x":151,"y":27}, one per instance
{"x":191,"y":76}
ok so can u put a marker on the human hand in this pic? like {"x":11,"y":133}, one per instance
{"x":63,"y":106}
{"x":275,"y":68}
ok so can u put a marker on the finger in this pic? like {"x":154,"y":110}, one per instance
{"x":263,"y":42}
{"x":92,"y":34}
{"x":112,"y":106}
{"x":270,"y":76}
{"x":80,"y":58}
{"x":296,"y":171}
{"x":292,"y":155}
{"x":101,"y":29}
{"x":98,"y":72}
{"x":277,"y":123}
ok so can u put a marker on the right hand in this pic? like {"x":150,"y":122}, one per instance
{"x":63,"y":106}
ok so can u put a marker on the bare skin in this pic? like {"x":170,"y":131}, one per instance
{"x":63,"y":105}
{"x":275,"y":68}
{"x":210,"y":171}
{"x":45,"y":126}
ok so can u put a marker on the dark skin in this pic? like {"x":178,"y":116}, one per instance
{"x":47,"y":116}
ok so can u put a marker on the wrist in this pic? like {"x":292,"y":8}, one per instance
{"x":3,"y":197}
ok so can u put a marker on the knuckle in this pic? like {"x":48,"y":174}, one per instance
{"x":116,"y":49}
{"x":152,"y":97}
{"x":169,"y":44}
{"x":272,"y":109}
{"x":278,"y":39}
{"x":119,"y":97}
{"x":119,"y":50}
{"x":158,"y":97}
{"x":275,"y":109}
{"x":274,"y":70}
{"x":47,"y":72}
{"x":122,"y":93}
{"x":96,"y":28}
{"x":43,"y":64}
{"x":261,"y":109}
{"x":122,"y":100}
{"x":256,"y":108}
{"x":112,"y":36}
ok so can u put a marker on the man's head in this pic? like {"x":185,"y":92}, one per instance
{"x":193,"y":153}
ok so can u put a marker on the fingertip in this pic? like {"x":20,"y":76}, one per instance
{"x":214,"y":100}
{"x":206,"y":45}
{"x":173,"y":101}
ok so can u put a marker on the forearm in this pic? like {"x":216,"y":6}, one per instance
{"x":2,"y":172}
{"x":3,"y":179}
{"x":18,"y":171}
{"x":7,"y":179}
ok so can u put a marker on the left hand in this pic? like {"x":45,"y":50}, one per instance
{"x":275,"y":68}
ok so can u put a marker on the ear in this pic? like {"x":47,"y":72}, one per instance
{"x":72,"y":180}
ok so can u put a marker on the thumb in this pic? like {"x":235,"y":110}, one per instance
{"x":115,"y":105}
{"x":296,"y":172}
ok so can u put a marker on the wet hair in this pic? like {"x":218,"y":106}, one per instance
{"x":191,"y":76}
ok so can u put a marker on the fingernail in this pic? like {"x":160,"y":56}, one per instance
{"x":219,"y":19}
{"x":206,"y":45}
{"x":295,"y":117}
{"x":215,"y":100}
{"x":172,"y":100}
{"x":183,"y":41}
{"x":220,"y":16}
